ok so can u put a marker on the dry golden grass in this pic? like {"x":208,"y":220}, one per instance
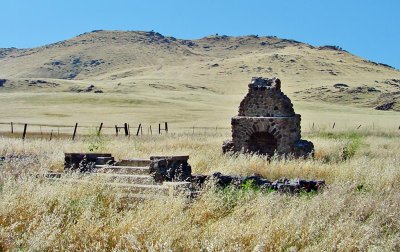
{"x":358,"y":211}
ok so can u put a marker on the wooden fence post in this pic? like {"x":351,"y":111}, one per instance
{"x":151,"y":131}
{"x":126,"y":129}
{"x":73,"y":136}
{"x":333,"y":125}
{"x":138,"y":129}
{"x":24,"y":134}
{"x":116,"y":130}
{"x":159,"y":128}
{"x":12,"y":128}
{"x":99,"y":131}
{"x":51,"y":135}
{"x":166,"y":127}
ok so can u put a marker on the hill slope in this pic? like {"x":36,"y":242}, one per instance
{"x":191,"y":79}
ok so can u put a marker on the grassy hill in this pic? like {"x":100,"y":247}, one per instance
{"x":134,"y":76}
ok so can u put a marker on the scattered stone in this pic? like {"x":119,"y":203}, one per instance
{"x":379,"y":64}
{"x":88,"y":89}
{"x":330,"y":47}
{"x":215,"y":65}
{"x":340,"y":85}
{"x":393,"y":82}
{"x":372,"y":89}
{"x":94,"y":62}
{"x":257,"y":182}
{"x":76,"y":61}
{"x":386,"y":106}
{"x":266,"y":123}
{"x":57,"y":63}
{"x":34,"y":82}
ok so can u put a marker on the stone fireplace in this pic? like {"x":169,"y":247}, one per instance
{"x":266,"y":123}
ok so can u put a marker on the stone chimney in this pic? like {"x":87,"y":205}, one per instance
{"x":266,"y":123}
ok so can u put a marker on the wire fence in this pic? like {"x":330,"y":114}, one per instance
{"x":52,"y":131}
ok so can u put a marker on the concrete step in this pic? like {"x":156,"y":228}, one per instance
{"x":122,"y":187}
{"x":126,"y":178}
{"x":138,"y":170}
{"x":143,"y":196}
{"x":134,"y":162}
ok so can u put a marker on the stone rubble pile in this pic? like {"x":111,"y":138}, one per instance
{"x":258,"y":182}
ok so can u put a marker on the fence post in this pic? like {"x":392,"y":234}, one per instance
{"x":101,"y":126}
{"x":12,"y":128}
{"x":126,"y":129}
{"x":116,"y":130}
{"x":138,"y":129}
{"x":151,"y":131}
{"x":159,"y":128}
{"x":51,"y":135}
{"x":24,"y":134}
{"x":359,"y":126}
{"x":166,"y":127}
{"x":73,"y":136}
{"x":333,"y":125}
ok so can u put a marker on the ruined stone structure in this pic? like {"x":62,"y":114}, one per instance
{"x":170,"y":168}
{"x":266,"y":123}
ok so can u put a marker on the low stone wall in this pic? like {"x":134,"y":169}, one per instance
{"x":85,"y":162}
{"x":258,"y":182}
{"x":170,"y":168}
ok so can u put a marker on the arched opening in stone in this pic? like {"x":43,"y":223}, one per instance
{"x":262,"y":143}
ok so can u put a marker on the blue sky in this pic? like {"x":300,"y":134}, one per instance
{"x":367,"y":28}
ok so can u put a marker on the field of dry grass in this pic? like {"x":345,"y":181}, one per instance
{"x":358,"y":211}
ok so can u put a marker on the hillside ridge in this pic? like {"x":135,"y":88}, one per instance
{"x":207,"y":76}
